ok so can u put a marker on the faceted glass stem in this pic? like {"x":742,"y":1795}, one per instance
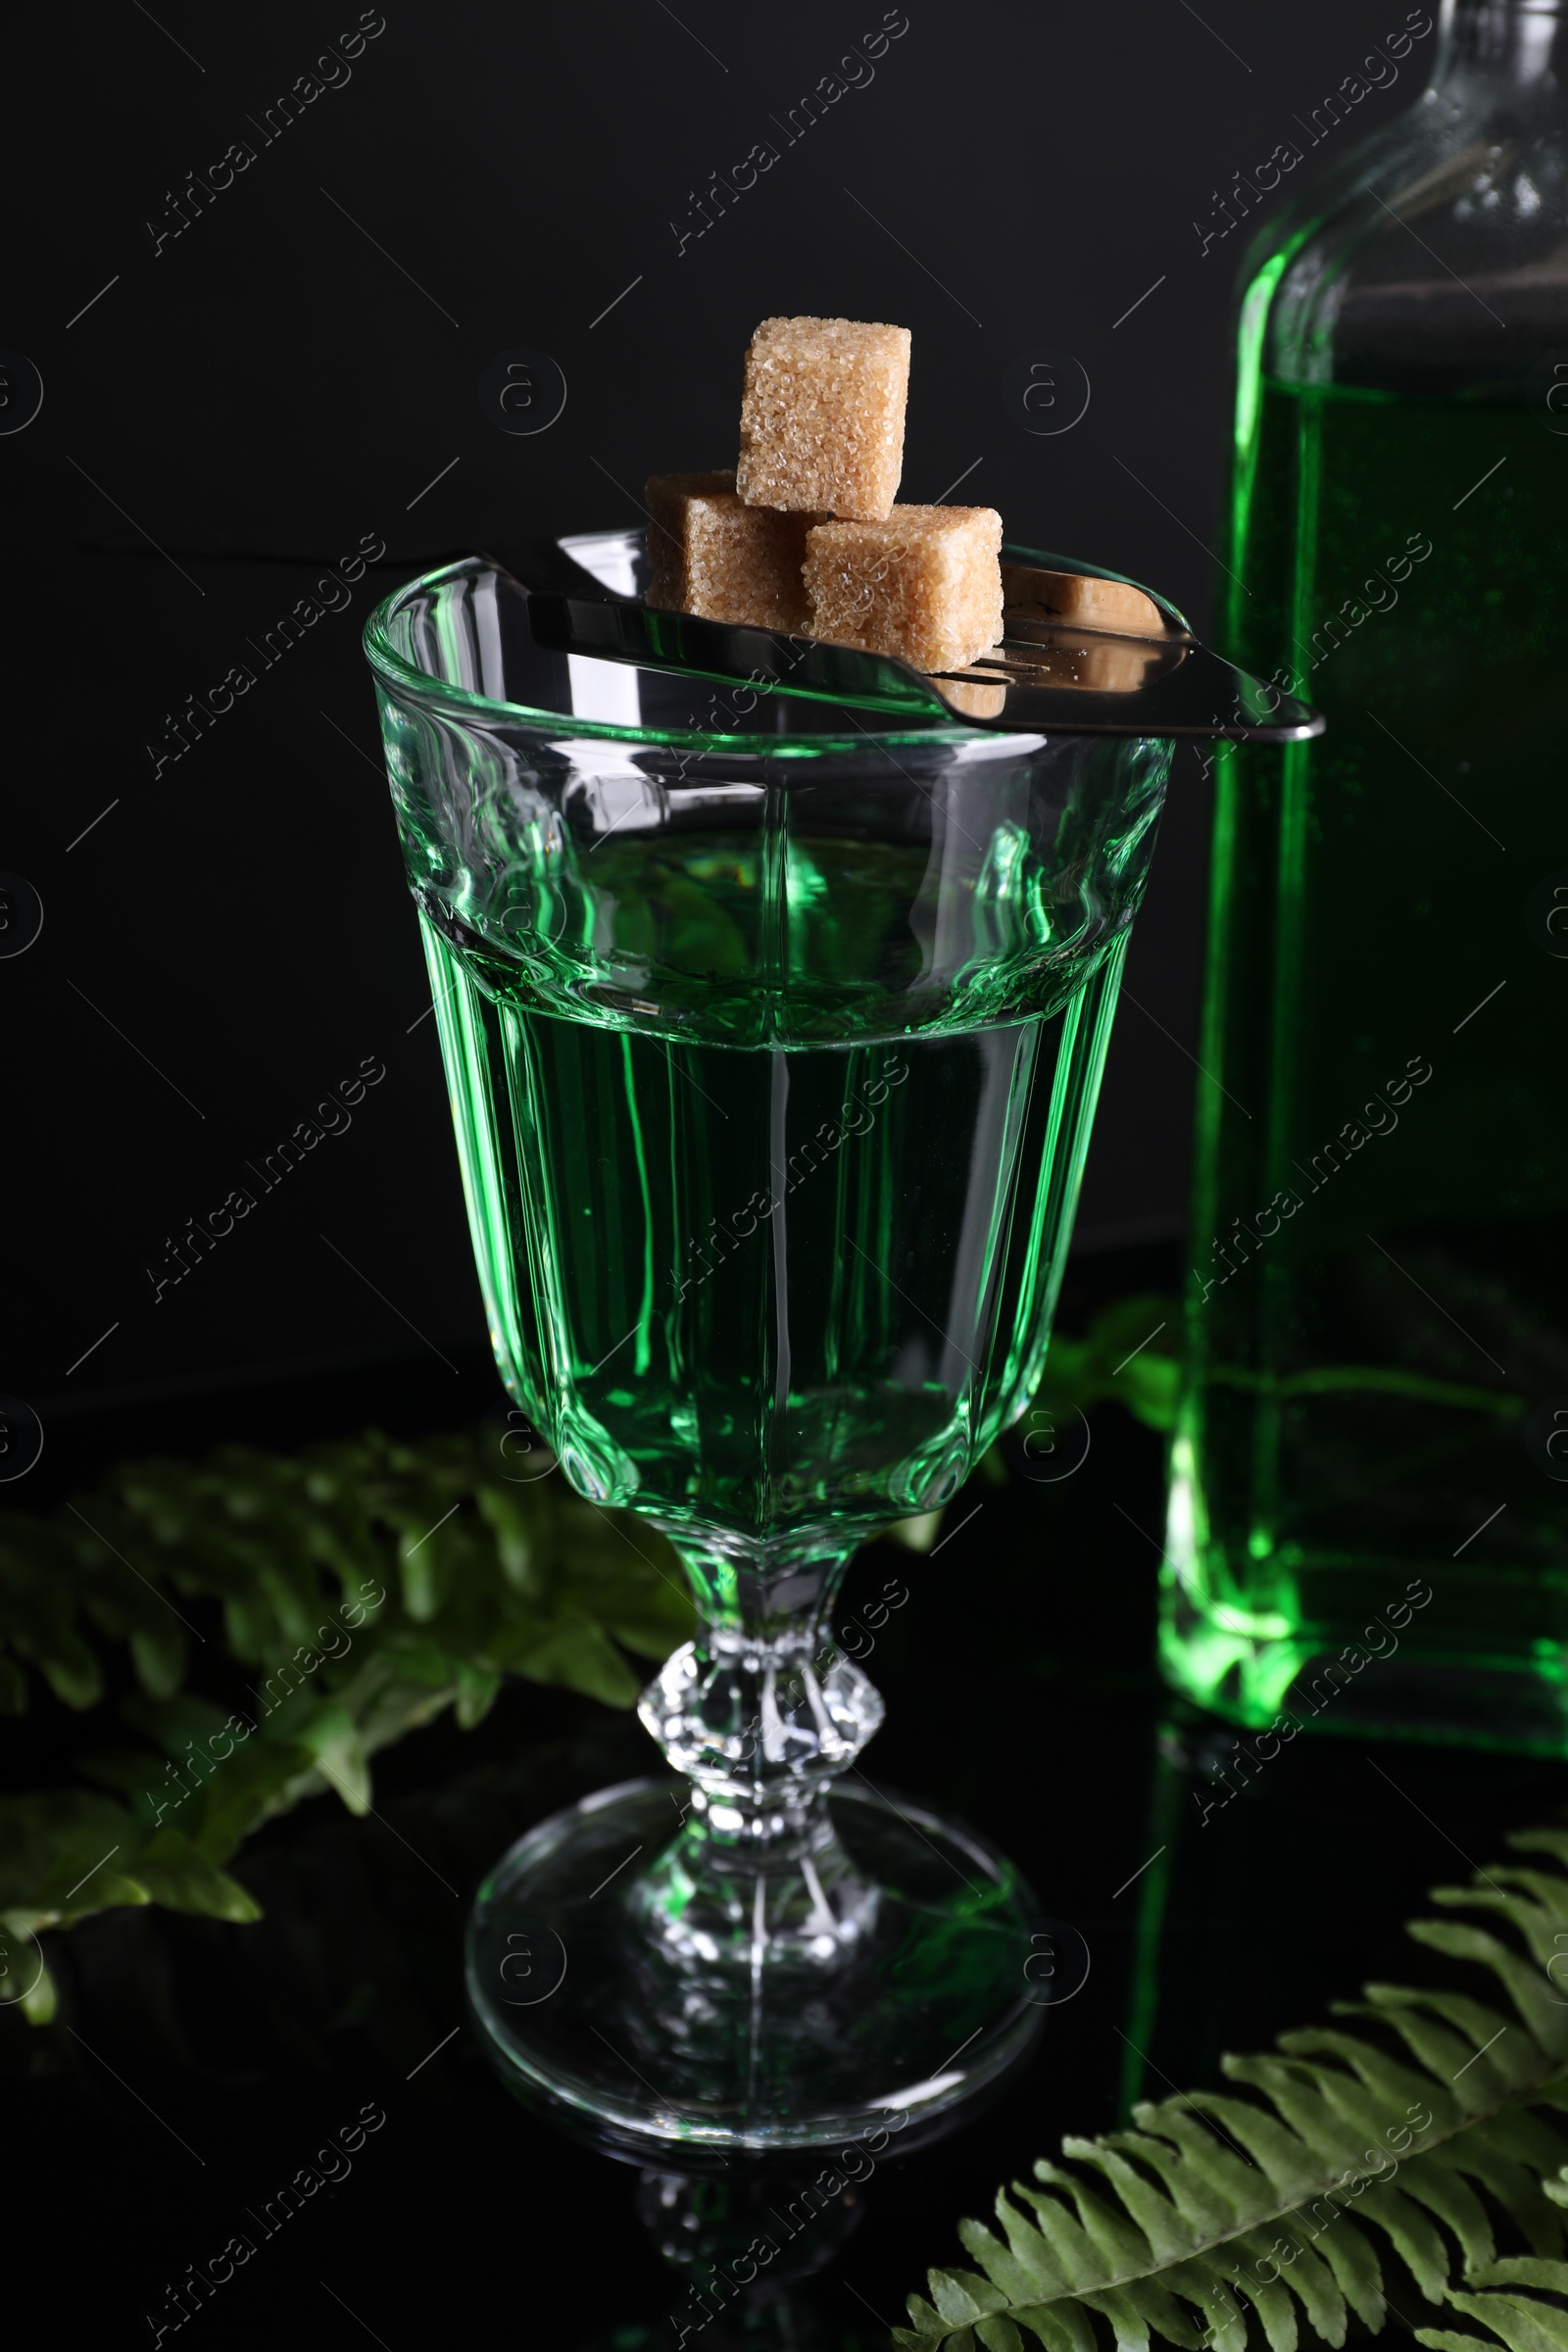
{"x":760,"y":1713}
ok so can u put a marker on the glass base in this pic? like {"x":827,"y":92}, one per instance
{"x":605,"y":1998}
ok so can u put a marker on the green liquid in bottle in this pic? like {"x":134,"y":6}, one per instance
{"x":1379,"y":1322}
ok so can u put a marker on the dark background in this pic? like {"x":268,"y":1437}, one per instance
{"x":278,"y":380}
{"x":293,"y":371}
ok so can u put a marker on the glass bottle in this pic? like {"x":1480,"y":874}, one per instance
{"x":1368,"y":1520}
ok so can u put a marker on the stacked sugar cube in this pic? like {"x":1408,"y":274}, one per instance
{"x":805,"y":535}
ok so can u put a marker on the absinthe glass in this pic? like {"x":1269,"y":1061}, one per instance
{"x":773,"y":1031}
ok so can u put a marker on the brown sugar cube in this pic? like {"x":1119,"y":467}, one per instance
{"x":974,"y":698}
{"x":925,"y":584}
{"x":669,"y":498}
{"x":822,"y":416}
{"x":1100,"y":668}
{"x":712,"y":554}
{"x":1074,"y":596}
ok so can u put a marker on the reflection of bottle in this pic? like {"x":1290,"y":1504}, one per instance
{"x":1377,"y":1350}
{"x":1284,"y":1872}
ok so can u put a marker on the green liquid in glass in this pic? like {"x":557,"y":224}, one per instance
{"x":773,"y":1297}
{"x":1381,"y":1266}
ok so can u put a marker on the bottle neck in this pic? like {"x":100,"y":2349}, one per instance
{"x":1519,"y":42}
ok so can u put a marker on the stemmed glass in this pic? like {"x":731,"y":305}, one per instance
{"x":774,"y":1029}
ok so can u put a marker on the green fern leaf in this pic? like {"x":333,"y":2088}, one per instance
{"x":365,"y":1587}
{"x":1226,"y":2218}
{"x":1523,"y":2322}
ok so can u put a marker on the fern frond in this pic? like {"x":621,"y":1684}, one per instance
{"x":363,"y":1587}
{"x":1524,"y":2323}
{"x":1227,"y":2218}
